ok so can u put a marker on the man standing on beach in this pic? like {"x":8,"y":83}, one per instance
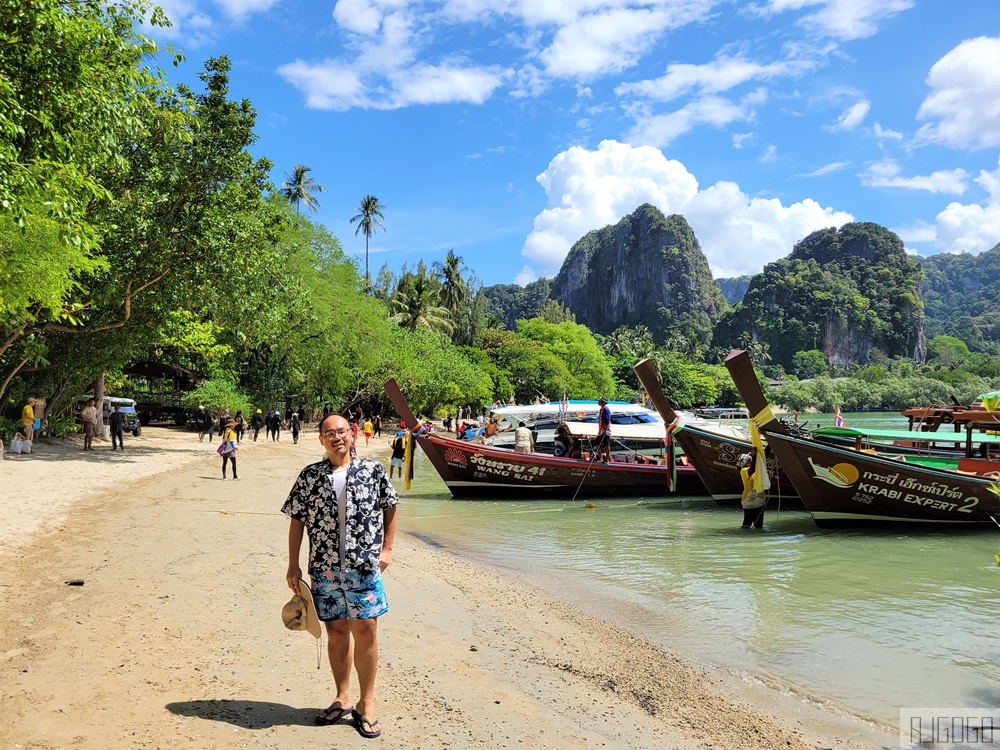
{"x":398,"y":454}
{"x":28,"y":420}
{"x":90,"y":421}
{"x":116,"y":421}
{"x":348,"y":508}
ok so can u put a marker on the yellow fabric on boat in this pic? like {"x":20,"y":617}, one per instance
{"x":407,"y":458}
{"x":761,"y":481}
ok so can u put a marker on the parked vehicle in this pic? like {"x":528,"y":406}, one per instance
{"x":128,"y":405}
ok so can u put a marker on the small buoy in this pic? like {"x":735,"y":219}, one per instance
{"x":589,"y":506}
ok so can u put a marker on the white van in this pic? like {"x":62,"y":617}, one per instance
{"x":110,"y":402}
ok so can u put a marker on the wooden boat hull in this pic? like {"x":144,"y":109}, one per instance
{"x":718,"y":461}
{"x":474,"y":470}
{"x":717,"y":458}
{"x":845,"y":487}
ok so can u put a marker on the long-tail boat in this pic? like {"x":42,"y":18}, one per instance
{"x":840,"y":486}
{"x":716,"y":457}
{"x":476,"y":470}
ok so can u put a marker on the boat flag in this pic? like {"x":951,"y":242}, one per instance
{"x":838,"y":420}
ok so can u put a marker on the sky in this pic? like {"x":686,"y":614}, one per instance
{"x":505,"y":130}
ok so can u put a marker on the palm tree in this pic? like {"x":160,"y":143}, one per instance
{"x":369,"y":218}
{"x":453,"y":291}
{"x":416,"y":305}
{"x":299,"y":187}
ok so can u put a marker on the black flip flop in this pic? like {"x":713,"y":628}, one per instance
{"x":360,"y":720}
{"x":326,"y":718}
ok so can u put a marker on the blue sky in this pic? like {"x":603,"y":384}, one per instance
{"x":507,"y":129}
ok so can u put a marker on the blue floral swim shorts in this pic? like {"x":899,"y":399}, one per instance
{"x":349,"y":594}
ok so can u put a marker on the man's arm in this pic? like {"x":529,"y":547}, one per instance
{"x":294,"y":574}
{"x":389,"y":526}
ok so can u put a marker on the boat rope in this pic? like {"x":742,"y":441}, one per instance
{"x":593,"y":457}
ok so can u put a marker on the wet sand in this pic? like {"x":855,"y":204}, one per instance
{"x":175,"y":640}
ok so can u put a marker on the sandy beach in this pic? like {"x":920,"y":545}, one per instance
{"x":175,"y":640}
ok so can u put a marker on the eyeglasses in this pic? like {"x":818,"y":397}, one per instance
{"x":331,"y":434}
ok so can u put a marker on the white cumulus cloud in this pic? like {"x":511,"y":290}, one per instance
{"x":588,"y":190}
{"x":840,"y":19}
{"x":662,"y":129}
{"x":853,"y":116}
{"x":886,"y":173}
{"x":385,"y":71}
{"x":964,"y":102}
{"x":721,"y":74}
{"x":241,"y":8}
{"x":974,"y":227}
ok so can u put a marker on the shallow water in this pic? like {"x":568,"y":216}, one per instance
{"x":873,"y":620}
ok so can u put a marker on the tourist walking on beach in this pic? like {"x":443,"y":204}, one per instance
{"x":116,"y":423}
{"x":296,"y":425}
{"x":240,"y":426}
{"x":256,"y":422}
{"x":348,"y":509}
{"x":377,"y":425}
{"x":28,"y":420}
{"x":523,"y":440}
{"x":369,"y":430}
{"x":275,"y":425}
{"x":229,"y":442}
{"x":603,"y":443}
{"x":90,"y":422}
{"x":204,"y":421}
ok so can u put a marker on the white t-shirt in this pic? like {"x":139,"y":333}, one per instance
{"x":339,"y":481}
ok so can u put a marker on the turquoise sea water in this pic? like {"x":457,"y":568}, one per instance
{"x":872,"y":620}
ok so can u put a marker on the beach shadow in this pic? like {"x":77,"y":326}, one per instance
{"x":245,"y":713}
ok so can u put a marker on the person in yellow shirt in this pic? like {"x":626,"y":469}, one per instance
{"x":369,"y":429}
{"x":28,"y":420}
{"x":229,"y":443}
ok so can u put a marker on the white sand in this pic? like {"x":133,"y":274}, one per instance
{"x":175,"y":639}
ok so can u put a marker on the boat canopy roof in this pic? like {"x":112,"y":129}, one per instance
{"x":652,"y":431}
{"x":913,"y":435}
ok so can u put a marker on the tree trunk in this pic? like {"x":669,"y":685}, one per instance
{"x":99,"y":398}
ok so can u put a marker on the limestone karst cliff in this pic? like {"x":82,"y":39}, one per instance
{"x":647,"y":269}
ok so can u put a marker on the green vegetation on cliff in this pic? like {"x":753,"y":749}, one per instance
{"x":961,"y":295}
{"x":847,"y":293}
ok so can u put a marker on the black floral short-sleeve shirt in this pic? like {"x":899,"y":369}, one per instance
{"x":314,"y":502}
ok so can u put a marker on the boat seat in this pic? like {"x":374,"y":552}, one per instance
{"x":978,"y":466}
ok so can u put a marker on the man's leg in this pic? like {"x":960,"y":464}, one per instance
{"x":366,"y":663}
{"x":338,"y":633}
